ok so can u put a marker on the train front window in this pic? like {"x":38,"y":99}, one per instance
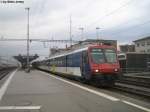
{"x":110,"y":55}
{"x":97,"y":55}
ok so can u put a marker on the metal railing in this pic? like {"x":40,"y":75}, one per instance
{"x":135,"y":70}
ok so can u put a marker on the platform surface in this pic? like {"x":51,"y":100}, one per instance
{"x":27,"y":92}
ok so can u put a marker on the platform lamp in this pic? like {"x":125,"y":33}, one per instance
{"x":28,"y":61}
{"x":82,"y":29}
{"x":97,"y":34}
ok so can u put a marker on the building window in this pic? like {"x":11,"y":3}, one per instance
{"x":137,"y":44}
{"x":143,"y":51}
{"x":148,"y":43}
{"x":143,"y":44}
{"x":148,"y":50}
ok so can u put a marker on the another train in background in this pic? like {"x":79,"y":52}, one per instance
{"x":8,"y":64}
{"x":97,"y":63}
{"x":7,"y":67}
{"x":134,"y":62}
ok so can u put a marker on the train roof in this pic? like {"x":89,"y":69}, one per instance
{"x":79,"y":50}
{"x":132,"y":53}
{"x":71,"y":52}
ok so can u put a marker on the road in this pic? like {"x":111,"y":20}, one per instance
{"x":43,"y":92}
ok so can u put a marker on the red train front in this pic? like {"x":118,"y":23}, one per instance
{"x":104,"y":64}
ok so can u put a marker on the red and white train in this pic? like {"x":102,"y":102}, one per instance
{"x":95,"y":62}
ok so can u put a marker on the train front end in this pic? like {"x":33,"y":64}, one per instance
{"x":104,"y":63}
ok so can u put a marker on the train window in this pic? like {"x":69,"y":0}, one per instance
{"x":110,"y":55}
{"x":97,"y":55}
{"x":122,"y":57}
{"x":137,"y":44}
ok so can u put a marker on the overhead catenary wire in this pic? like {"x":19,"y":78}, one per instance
{"x":107,"y":15}
{"x":110,"y":13}
{"x":132,"y":27}
{"x":126,"y":29}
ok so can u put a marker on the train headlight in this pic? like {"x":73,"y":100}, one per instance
{"x":96,"y":70}
{"x":116,"y":70}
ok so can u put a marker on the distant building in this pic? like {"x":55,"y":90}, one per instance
{"x":81,"y":44}
{"x":127,"y":48}
{"x":142,"y":45}
{"x":57,"y":50}
{"x":95,"y":41}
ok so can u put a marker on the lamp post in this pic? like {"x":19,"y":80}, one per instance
{"x":28,"y":61}
{"x":97,"y":33}
{"x":82,"y":36}
{"x":70,"y":31}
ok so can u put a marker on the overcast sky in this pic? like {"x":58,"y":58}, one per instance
{"x":122,"y":20}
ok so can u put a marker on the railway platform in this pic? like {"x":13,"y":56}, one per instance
{"x":42,"y":92}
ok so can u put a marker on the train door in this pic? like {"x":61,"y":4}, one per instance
{"x":85,"y":66}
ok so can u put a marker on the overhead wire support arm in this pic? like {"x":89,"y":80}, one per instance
{"x":40,"y":40}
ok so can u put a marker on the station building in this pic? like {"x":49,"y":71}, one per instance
{"x":127,"y":48}
{"x":142,"y":45}
{"x":95,"y":41}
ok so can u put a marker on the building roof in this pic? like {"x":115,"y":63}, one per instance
{"x":126,"y":45}
{"x":95,"y":40}
{"x":145,"y":38}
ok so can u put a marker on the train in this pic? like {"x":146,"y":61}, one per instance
{"x":6,"y":66}
{"x":134,"y":62}
{"x":97,"y":63}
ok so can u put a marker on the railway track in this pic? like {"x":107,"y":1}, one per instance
{"x":143,"y":81}
{"x":139,"y":85}
{"x":4,"y":72}
{"x":135,"y":85}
